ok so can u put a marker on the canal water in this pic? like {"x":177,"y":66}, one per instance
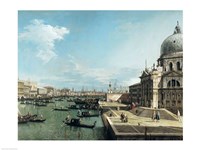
{"x":53,"y":128}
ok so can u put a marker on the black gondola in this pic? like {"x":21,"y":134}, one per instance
{"x":25,"y":118}
{"x":76,"y":122}
{"x":37,"y":120}
{"x":72,"y":107}
{"x":22,"y":121}
{"x":87,"y":114}
{"x":28,"y":116}
{"x":60,"y":109}
{"x":59,"y":100}
{"x":40,"y":104}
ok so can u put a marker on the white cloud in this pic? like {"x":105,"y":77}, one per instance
{"x":100,"y":74}
{"x":125,"y":75}
{"x":103,"y":75}
{"x":44,"y":37}
{"x":128,"y":27}
{"x":46,"y":55}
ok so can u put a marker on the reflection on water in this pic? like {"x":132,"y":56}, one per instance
{"x":53,"y":128}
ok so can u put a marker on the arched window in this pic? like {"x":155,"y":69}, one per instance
{"x":169,"y":84}
{"x":178,"y":84}
{"x":170,"y":66}
{"x":173,"y":83}
{"x":178,"y":66}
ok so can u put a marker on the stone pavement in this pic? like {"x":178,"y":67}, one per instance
{"x":143,"y":121}
{"x":137,"y":125}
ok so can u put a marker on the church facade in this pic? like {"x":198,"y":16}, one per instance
{"x":162,"y":86}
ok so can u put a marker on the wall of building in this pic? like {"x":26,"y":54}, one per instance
{"x":135,"y":93}
{"x":20,"y":89}
{"x":147,"y":91}
{"x":112,"y":97}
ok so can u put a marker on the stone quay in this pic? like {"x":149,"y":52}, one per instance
{"x":140,"y":125}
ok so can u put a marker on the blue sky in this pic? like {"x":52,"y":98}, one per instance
{"x":90,"y":48}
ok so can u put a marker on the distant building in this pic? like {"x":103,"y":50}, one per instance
{"x":27,"y":89}
{"x":30,"y":89}
{"x":56,"y":92}
{"x":135,"y":93}
{"x":20,"y":89}
{"x":50,"y":91}
{"x":110,"y":88}
{"x":41,"y":92}
{"x":33,"y":90}
{"x":65,"y":91}
{"x":119,"y":95}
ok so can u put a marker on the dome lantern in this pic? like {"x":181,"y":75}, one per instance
{"x":173,"y":43}
{"x":177,"y":28}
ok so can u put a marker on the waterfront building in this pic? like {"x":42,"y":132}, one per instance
{"x":162,"y":85}
{"x":117,"y":94}
{"x":110,"y":88}
{"x":135,"y":93}
{"x":50,"y":90}
{"x":20,"y":89}
{"x":33,"y":89}
{"x":65,"y":91}
{"x":29,"y":89}
{"x":41,"y":92}
{"x":56,"y":92}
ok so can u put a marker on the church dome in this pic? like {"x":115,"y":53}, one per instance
{"x":173,"y":43}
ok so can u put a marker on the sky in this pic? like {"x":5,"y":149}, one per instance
{"x":89,"y":49}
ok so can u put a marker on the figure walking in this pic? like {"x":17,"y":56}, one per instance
{"x":157,"y":115}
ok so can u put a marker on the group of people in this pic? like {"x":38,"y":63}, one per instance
{"x":124,"y":117}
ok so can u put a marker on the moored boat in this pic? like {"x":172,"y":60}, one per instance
{"x":22,"y":120}
{"x":25,"y":118}
{"x":60,"y":109}
{"x":37,"y":120}
{"x":72,"y":107}
{"x":40,"y":104}
{"x":58,"y":99}
{"x":77,"y":123}
{"x":87,"y":114}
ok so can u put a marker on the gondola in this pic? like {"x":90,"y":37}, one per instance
{"x":59,"y":100}
{"x":60,"y":109}
{"x":27,"y":117}
{"x":22,"y":121}
{"x":40,"y":104}
{"x":87,"y":114}
{"x":37,"y":120}
{"x":72,"y":107}
{"x":77,"y":123}
{"x":70,"y":100}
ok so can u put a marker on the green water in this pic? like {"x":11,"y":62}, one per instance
{"x":53,"y":128}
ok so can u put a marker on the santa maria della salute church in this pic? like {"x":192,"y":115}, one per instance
{"x":162,"y":86}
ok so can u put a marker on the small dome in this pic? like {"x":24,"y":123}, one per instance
{"x":173,"y":43}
